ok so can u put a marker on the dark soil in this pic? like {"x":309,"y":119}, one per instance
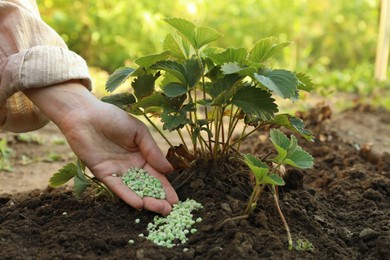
{"x":342,"y":207}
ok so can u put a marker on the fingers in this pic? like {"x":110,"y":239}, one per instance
{"x":153,"y":153}
{"x":159,"y":206}
{"x":116,"y":185}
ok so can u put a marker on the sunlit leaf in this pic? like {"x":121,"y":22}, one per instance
{"x":230,"y":55}
{"x":173,"y":67}
{"x":118,"y":78}
{"x":304,"y":82}
{"x":63,"y":175}
{"x":178,"y":47}
{"x":255,"y":101}
{"x":233,"y":67}
{"x":197,"y":36}
{"x":185,"y":27}
{"x":300,"y":159}
{"x":282,"y":82}
{"x":149,"y":60}
{"x":265,"y":48}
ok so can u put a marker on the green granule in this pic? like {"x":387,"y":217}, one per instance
{"x":143,"y":184}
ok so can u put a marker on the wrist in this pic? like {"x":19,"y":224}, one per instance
{"x":61,"y":102}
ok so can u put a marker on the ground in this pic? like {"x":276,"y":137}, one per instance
{"x":341,"y":206}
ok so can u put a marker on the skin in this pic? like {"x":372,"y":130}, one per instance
{"x":107,"y":139}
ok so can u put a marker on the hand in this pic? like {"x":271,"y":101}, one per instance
{"x":107,"y":139}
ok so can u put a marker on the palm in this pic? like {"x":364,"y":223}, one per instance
{"x":109,"y":141}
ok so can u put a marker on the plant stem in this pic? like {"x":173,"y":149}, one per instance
{"x":242,"y":134}
{"x":290,"y":242}
{"x":182,"y":138}
{"x":246,"y":135}
{"x":158,"y":130}
{"x":254,"y":198}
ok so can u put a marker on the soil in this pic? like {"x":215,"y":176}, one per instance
{"x":341,"y":206}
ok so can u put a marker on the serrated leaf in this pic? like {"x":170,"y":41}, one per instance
{"x":121,"y":100}
{"x":274,"y":179}
{"x":63,"y":175}
{"x":149,"y":60}
{"x":197,"y":36}
{"x":173,"y":67}
{"x":255,"y":101}
{"x":233,"y":67}
{"x":118,"y":78}
{"x":156,"y":99}
{"x":143,"y":85}
{"x":304,"y":82}
{"x":188,"y":73}
{"x":205,"y":35}
{"x":294,"y":124}
{"x":300,"y":159}
{"x":175,"y":118}
{"x":80,"y":185}
{"x":281,"y":143}
{"x":230,"y":55}
{"x":185,"y":27}
{"x":265,"y":48}
{"x":289,"y":152}
{"x":221,"y":89}
{"x":174,"y":89}
{"x":178,"y":47}
{"x":282,"y":82}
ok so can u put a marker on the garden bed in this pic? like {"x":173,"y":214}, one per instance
{"x":341,"y":206}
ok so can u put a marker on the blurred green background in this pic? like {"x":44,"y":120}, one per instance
{"x":333,"y":41}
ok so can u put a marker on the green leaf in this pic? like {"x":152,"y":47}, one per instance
{"x":233,"y":67}
{"x":261,"y":171}
{"x":156,"y":99}
{"x":118,"y":78}
{"x":304,"y":82}
{"x":230,"y":55}
{"x":289,"y":152}
{"x":255,"y":101}
{"x":294,"y":124}
{"x":175,"y":118}
{"x":221,"y":89}
{"x":178,"y":47}
{"x":282,"y":82}
{"x":185,"y":27}
{"x":173,"y":67}
{"x":174,"y":89}
{"x":63,"y":175}
{"x":274,"y":179}
{"x":149,"y":60}
{"x":266,"y":48}
{"x":281,"y":143}
{"x":188,"y":73}
{"x":81,"y":183}
{"x":300,"y":159}
{"x":197,"y":36}
{"x":143,"y":85}
{"x":121,"y":100}
{"x":205,"y":35}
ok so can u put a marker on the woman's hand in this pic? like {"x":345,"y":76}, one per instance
{"x":107,"y":139}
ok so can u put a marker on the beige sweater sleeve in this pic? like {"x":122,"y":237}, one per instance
{"x":32,"y":55}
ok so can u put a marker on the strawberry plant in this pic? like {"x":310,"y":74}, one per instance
{"x":207,"y":92}
{"x":288,"y":153}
